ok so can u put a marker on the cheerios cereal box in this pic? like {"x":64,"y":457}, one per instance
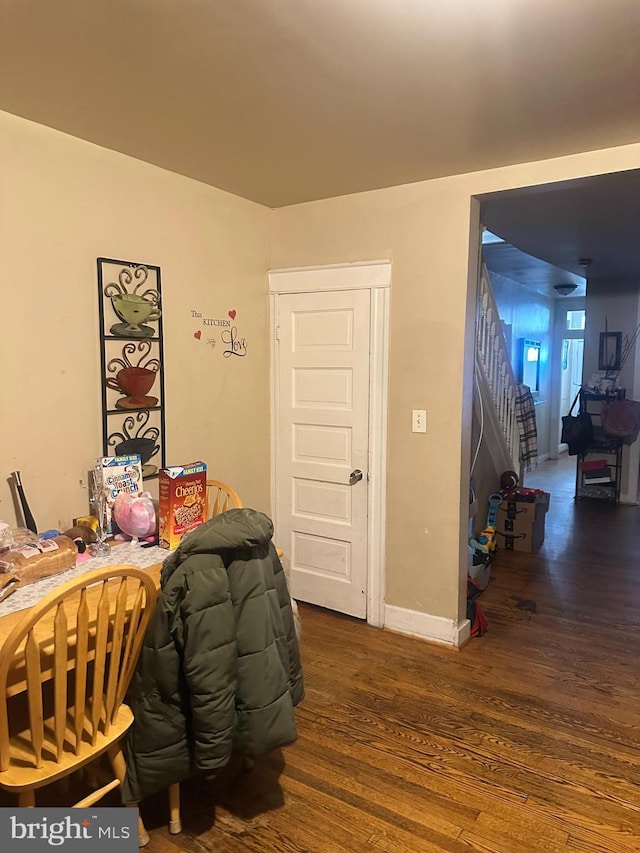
{"x":182,"y":493}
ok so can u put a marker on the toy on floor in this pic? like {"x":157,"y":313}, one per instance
{"x":486,"y":542}
{"x":524,"y":495}
{"x":508,"y":480}
{"x":492,"y":516}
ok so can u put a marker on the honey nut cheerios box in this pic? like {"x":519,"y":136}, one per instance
{"x":182,"y":493}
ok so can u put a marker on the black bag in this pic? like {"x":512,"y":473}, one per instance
{"x":577,"y":430}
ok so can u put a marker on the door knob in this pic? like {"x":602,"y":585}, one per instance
{"x":355,"y":477}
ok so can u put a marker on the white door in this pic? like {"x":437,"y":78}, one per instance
{"x":572,"y":360}
{"x":322,"y":445}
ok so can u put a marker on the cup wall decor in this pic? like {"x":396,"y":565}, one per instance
{"x":137,"y":433}
{"x":132,"y":361}
{"x":133,"y":309}
{"x":135,"y":374}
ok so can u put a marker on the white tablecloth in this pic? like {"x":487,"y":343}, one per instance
{"x":126,"y":553}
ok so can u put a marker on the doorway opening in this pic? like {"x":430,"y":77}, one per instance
{"x":571,"y":360}
{"x":572,"y":228}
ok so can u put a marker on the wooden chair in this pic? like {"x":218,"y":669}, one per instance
{"x":221,"y":497}
{"x":64,"y":672}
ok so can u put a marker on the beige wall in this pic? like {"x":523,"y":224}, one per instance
{"x":425,"y":229}
{"x":614,"y":305}
{"x":63,"y":203}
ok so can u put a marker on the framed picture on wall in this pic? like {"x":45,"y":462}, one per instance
{"x":610,"y":351}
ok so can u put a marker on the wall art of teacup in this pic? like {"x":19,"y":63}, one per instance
{"x":133,"y":380}
{"x":133,"y":309}
{"x":137,"y":437}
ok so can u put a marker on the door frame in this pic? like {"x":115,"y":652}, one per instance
{"x":374,"y":276}
{"x":560,"y":331}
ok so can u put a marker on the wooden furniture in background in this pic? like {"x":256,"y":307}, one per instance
{"x":64,"y":671}
{"x":221,"y":497}
{"x":607,"y":449}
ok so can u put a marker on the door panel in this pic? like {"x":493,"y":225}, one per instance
{"x":322,"y":426}
{"x":321,"y":501}
{"x":324,"y":388}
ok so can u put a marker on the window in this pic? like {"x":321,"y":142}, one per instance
{"x":576,"y":320}
{"x":531,"y":364}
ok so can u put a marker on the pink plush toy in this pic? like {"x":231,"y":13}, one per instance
{"x":135,"y":515}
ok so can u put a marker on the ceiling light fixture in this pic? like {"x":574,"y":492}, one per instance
{"x":564,"y":289}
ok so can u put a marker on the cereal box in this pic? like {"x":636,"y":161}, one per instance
{"x":182,"y":501}
{"x":118,"y":474}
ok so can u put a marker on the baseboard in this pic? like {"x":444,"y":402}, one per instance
{"x":464,"y":633}
{"x":628,"y":500}
{"x":427,"y":627}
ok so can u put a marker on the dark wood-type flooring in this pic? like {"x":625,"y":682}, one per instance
{"x":526,"y":740}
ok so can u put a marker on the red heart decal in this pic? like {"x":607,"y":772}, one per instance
{"x":197,"y":335}
{"x":232,"y":314}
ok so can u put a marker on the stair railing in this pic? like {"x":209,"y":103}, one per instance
{"x":494,"y":364}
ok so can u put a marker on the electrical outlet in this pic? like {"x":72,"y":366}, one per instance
{"x":418,"y":420}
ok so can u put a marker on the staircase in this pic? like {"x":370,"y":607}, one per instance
{"x":496,"y":383}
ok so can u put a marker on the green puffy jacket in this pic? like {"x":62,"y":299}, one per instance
{"x":220,"y":666}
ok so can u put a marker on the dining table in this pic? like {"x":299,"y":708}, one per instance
{"x":13,"y":608}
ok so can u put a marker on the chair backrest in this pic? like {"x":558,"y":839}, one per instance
{"x":74,"y":654}
{"x":221,"y":497}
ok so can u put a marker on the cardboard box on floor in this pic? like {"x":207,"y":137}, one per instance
{"x":521,"y":523}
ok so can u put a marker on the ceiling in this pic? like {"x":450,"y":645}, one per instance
{"x":558,"y":225}
{"x":511,"y":262}
{"x":283,"y":101}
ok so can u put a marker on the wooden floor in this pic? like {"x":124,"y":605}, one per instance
{"x":526,"y":740}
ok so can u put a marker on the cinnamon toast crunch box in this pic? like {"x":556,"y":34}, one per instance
{"x":182,"y":500}
{"x":118,"y":474}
